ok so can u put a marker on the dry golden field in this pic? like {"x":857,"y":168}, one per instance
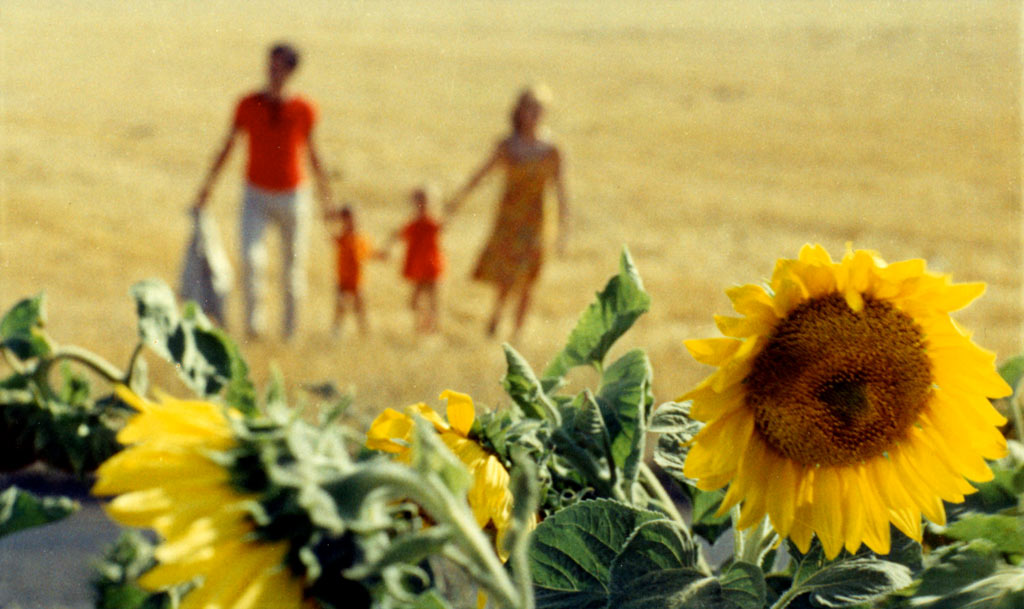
{"x":710,"y":137}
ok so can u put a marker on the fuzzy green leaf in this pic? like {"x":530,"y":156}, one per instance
{"x":617,"y":307}
{"x":206,"y":359}
{"x":20,"y":509}
{"x":848,"y":582}
{"x":957,"y":566}
{"x":522,"y":386}
{"x":21,"y":329}
{"x":742,"y":586}
{"x":572,"y":552}
{"x":1002,"y":590}
{"x":1012,"y":370}
{"x":1005,"y":532}
{"x":625,"y":399}
{"x":672,"y":420}
{"x":654,"y":546}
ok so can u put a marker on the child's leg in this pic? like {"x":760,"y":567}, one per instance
{"x":339,"y":311}
{"x":421,"y":313}
{"x":430,"y":316}
{"x":357,"y":306}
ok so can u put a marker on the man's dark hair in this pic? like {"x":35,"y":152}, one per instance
{"x":286,"y":52}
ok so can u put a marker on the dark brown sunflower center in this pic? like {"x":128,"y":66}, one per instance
{"x":834,"y":386}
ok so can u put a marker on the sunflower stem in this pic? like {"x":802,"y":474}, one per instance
{"x":12,"y":361}
{"x":754,"y":542}
{"x":438,"y":501}
{"x":87,"y":358}
{"x":787,"y":597}
{"x":737,"y":536}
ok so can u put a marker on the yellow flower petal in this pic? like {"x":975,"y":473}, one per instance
{"x":388,"y":427}
{"x":460,"y":411}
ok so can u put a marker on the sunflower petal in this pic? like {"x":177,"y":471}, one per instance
{"x":460,"y":411}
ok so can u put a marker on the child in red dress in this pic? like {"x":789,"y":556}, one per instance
{"x":424,"y":262}
{"x":352,"y":249}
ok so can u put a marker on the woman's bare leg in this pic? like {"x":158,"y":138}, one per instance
{"x":525,"y":298}
{"x":499,"y":304}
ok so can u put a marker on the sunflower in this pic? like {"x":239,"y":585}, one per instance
{"x":845,"y":399}
{"x":166,"y":480}
{"x":489,"y":497}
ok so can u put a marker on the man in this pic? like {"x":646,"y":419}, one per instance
{"x":279,"y":127}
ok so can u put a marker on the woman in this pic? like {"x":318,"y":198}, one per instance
{"x":512,"y":258}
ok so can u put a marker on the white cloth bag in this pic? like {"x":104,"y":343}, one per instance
{"x":206,"y":274}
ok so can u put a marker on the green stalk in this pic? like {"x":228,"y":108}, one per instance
{"x":786,"y":598}
{"x":87,"y":358}
{"x":435,"y":498}
{"x":753,"y":543}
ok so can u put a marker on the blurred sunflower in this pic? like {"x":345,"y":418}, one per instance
{"x":489,"y":497}
{"x":166,"y":480}
{"x":845,"y":398}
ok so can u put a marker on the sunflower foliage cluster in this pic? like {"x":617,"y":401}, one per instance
{"x":846,"y":452}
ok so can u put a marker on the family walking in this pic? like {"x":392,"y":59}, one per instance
{"x":279,"y":128}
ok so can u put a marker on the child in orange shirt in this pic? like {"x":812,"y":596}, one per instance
{"x":424,"y":262}
{"x":351,"y":250}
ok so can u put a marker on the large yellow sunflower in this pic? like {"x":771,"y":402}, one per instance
{"x":166,"y":480}
{"x":489,"y":497}
{"x":845,"y":398}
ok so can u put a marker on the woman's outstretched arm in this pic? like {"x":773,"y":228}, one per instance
{"x":455,"y":202}
{"x":562,"y":195}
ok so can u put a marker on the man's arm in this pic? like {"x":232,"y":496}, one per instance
{"x":323,"y":185}
{"x":218,"y":163}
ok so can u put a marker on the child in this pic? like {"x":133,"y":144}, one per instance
{"x":424,"y":262}
{"x":351,"y":248}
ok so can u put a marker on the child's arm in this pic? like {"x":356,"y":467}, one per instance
{"x":385,"y":250}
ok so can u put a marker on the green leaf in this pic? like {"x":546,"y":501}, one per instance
{"x":1002,"y":590}
{"x":1012,"y":370}
{"x":115,"y":585}
{"x":431,"y":599}
{"x":625,"y":399}
{"x":21,"y":509}
{"x":572,"y":552}
{"x":653,"y":546}
{"x":957,"y":566}
{"x":206,"y":359}
{"x":583,"y":425}
{"x":21,"y":329}
{"x":705,"y":505}
{"x":410,"y":548}
{"x":617,"y":307}
{"x":1006,"y":532}
{"x":744,"y":586}
{"x":847,"y":582}
{"x":669,"y":589}
{"x":672,"y":420}
{"x":521,"y":384}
